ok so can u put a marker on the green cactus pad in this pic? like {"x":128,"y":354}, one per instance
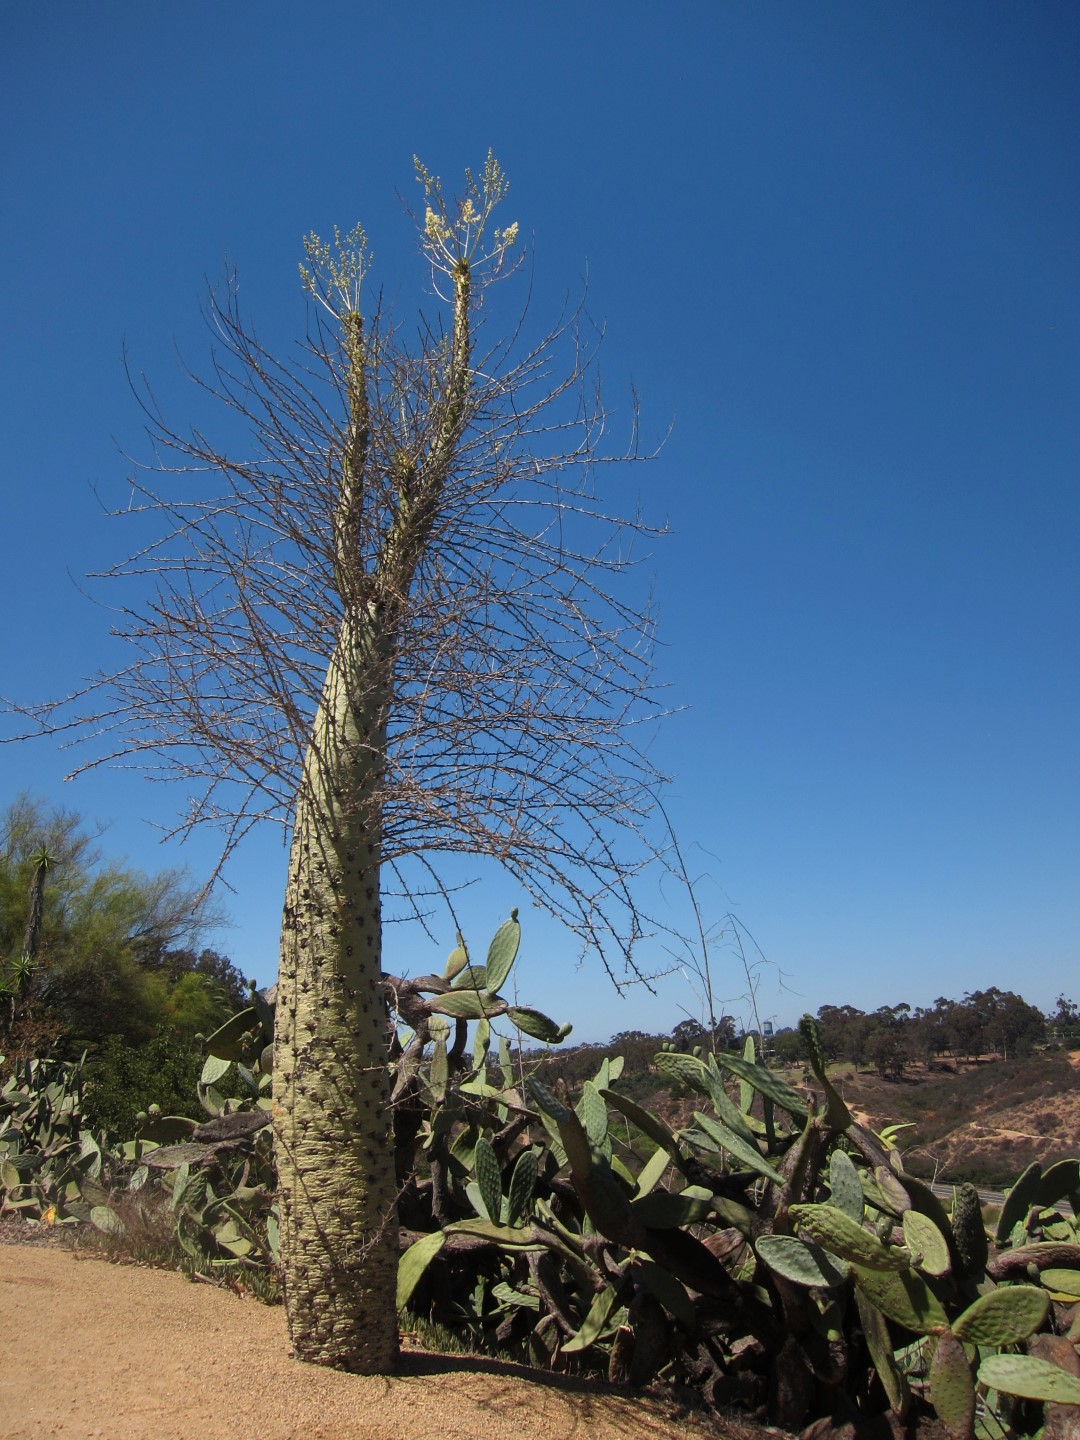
{"x":506,"y":1295}
{"x":879,"y":1344}
{"x":646,"y":1122}
{"x":571,"y":1132}
{"x":472,"y":977}
{"x":414,"y":1262}
{"x":725,"y":1107}
{"x":1003,"y":1317}
{"x":106,"y":1220}
{"x":266,"y":1010}
{"x":801,"y":1261}
{"x":227,"y":1042}
{"x":683,"y":1069}
{"x":670,"y":1292}
{"x":547,"y":1100}
{"x":903,"y":1297}
{"x":456,"y":961}
{"x":592,"y":1113}
{"x":726,"y":1139}
{"x":652,"y":1171}
{"x":929,"y":1250}
{"x":837,"y":1116}
{"x":1062,"y":1282}
{"x":845,"y":1186}
{"x":502,"y":952}
{"x":537,"y":1025}
{"x":606,"y":1202}
{"x":593,"y":1323}
{"x":746,"y":1090}
{"x":214,"y":1069}
{"x":1029,"y":1378}
{"x":488,"y":1178}
{"x":1058,"y":1183}
{"x":481,"y":1044}
{"x":137,"y":1149}
{"x":522,"y":1184}
{"x":663,"y":1210}
{"x":926,"y":1202}
{"x":228,"y":1236}
{"x":847,"y":1238}
{"x":770,"y":1085}
{"x":1019,"y":1201}
{"x":886,"y":1193}
{"x":440,"y":1067}
{"x":952,"y":1389}
{"x":167,"y":1129}
{"x":465,"y":1004}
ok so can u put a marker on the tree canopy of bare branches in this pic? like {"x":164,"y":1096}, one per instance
{"x":400,"y":621}
{"x":522,"y":666}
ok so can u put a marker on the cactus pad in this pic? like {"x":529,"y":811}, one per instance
{"x":1004,"y":1317}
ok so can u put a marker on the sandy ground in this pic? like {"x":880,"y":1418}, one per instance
{"x":93,"y":1349}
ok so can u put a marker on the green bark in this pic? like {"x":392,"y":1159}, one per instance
{"x":339,"y":1231}
{"x":339,"y":1236}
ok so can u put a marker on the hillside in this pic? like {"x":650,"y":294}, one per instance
{"x":983,"y":1120}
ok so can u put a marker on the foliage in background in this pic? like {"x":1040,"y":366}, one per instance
{"x":768,"y":1252}
{"x":121,"y":1080}
{"x":987,"y":1022}
{"x":113,"y":951}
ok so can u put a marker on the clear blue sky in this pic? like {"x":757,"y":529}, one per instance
{"x":837,"y":243}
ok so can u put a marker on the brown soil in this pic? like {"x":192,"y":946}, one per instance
{"x":978,"y":1115}
{"x":95,"y":1349}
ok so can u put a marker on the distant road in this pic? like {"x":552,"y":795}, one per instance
{"x":988,"y":1197}
{"x":993,"y":1197}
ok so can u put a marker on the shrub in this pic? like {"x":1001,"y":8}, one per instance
{"x":122,"y":1080}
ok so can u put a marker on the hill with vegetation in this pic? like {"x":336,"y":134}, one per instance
{"x":679,"y":1215}
{"x":982,"y":1119}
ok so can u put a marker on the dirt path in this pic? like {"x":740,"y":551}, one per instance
{"x":93,"y":1349}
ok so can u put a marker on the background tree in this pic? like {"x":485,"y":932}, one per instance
{"x":843,"y":1031}
{"x":106,"y":957}
{"x":688,"y":1033}
{"x":1009,"y":1026}
{"x":1064,"y":1020}
{"x":787,"y":1046}
{"x":399,"y":622}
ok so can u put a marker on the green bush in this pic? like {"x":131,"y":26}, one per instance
{"x":121,"y":1080}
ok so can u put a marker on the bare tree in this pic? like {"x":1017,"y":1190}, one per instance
{"x":401,"y":624}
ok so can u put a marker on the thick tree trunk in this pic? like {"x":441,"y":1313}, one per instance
{"x":336,"y":1173}
{"x":339,"y":1231}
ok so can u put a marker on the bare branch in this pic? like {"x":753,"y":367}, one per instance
{"x":521,"y":656}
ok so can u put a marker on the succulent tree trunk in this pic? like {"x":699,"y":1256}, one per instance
{"x":331,"y":1083}
{"x":339,"y":1231}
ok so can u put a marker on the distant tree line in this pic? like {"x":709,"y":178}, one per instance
{"x":989,"y":1022}
{"x":889,"y":1039}
{"x":97,"y":956}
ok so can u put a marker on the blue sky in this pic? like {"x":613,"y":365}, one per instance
{"x":835,"y":243}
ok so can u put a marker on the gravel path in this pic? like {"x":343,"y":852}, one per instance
{"x":94,"y":1349}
